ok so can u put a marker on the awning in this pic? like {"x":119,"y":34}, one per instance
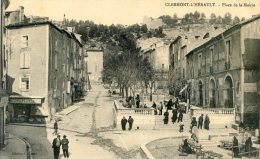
{"x":183,"y":89}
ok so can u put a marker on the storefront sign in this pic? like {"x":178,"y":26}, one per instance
{"x":250,"y":87}
{"x":26,"y":100}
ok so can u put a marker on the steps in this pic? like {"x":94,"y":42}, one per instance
{"x":159,"y":123}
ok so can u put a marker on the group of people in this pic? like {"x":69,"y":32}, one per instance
{"x":58,"y":142}
{"x":158,"y":109}
{"x":176,"y":113}
{"x":200,"y":122}
{"x":248,"y":146}
{"x":124,"y":122}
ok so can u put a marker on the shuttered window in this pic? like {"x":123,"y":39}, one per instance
{"x":25,"y":83}
{"x":24,"y":59}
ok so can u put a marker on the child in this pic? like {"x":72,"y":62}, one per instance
{"x":181,"y":127}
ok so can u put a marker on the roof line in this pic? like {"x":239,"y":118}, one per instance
{"x":19,"y":25}
{"x":237,"y":26}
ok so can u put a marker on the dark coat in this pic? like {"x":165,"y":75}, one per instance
{"x":123,"y":121}
{"x":169,"y":104}
{"x":130,"y":120}
{"x":201,"y":120}
{"x":54,"y":144}
{"x":55,"y":125}
{"x":65,"y":144}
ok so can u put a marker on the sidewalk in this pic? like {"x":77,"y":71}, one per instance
{"x":15,"y":148}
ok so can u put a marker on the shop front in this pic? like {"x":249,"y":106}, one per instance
{"x":27,"y":110}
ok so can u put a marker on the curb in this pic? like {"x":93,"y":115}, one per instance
{"x":147,"y":153}
{"x":28,"y":148}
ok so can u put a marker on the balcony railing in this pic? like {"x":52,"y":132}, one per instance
{"x":141,"y":111}
{"x":220,"y":111}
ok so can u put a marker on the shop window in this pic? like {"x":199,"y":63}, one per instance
{"x":24,"y":43}
{"x":25,"y":83}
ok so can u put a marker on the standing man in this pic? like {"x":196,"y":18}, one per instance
{"x":166,"y":117}
{"x":235,"y":147}
{"x":206,"y":122}
{"x":123,"y":123}
{"x":160,"y":108}
{"x":200,"y":121}
{"x":130,"y":121}
{"x":169,"y":105}
{"x":137,"y":101}
{"x":55,"y":127}
{"x":65,"y":146}
{"x":56,"y":147}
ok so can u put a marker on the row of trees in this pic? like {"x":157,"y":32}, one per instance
{"x":104,"y":33}
{"x":200,"y":18}
{"x":124,"y":66}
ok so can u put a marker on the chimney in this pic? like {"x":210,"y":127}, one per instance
{"x":21,"y":9}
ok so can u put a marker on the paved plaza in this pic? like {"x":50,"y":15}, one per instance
{"x":89,"y":127}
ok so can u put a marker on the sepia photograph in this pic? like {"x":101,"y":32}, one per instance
{"x":130,"y":79}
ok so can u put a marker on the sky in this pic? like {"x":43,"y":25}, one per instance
{"x":129,"y":12}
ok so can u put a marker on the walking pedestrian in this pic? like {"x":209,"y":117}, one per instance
{"x":56,"y":143}
{"x":130,"y":121}
{"x":200,"y":121}
{"x":65,"y":146}
{"x":160,"y":108}
{"x":206,"y":122}
{"x":174,"y":115}
{"x":123,"y":123}
{"x":235,"y":147}
{"x":180,"y":117}
{"x":166,"y":117}
{"x":55,"y":126}
{"x":193,"y":123}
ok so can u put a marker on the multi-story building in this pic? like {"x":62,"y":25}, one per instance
{"x":94,"y":61}
{"x":224,"y":71}
{"x":44,"y":70}
{"x":185,"y":42}
{"x":157,"y":54}
{"x":3,"y":95}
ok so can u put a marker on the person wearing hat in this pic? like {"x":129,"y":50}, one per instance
{"x":56,"y":147}
{"x":65,"y":146}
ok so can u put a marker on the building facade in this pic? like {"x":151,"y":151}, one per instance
{"x":223,"y":72}
{"x":157,"y":54}
{"x":44,"y":70}
{"x":178,"y":49}
{"x":3,"y":95}
{"x":94,"y":61}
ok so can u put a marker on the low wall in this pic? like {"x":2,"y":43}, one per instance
{"x":219,"y":117}
{"x":143,"y":117}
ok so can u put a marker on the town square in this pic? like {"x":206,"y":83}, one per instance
{"x":153,"y":80}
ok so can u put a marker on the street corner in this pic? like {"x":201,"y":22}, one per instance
{"x":15,"y":148}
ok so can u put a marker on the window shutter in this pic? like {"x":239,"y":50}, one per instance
{"x":26,"y":60}
{"x":22,"y":60}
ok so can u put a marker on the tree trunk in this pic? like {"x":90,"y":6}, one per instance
{"x":123,"y":93}
{"x":126,"y":90}
{"x":151,"y":92}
